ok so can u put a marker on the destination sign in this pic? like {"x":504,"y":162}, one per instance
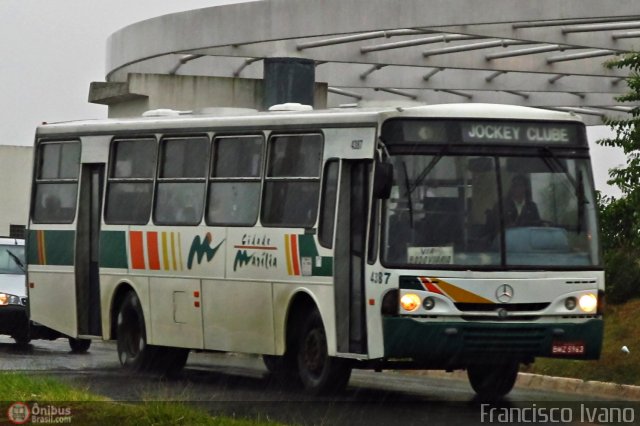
{"x":506,"y":132}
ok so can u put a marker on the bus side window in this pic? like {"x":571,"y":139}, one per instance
{"x":181,"y":181}
{"x":234,"y":185}
{"x":56,"y":184}
{"x":292,"y":184}
{"x":328,"y":210}
{"x":130,"y":184}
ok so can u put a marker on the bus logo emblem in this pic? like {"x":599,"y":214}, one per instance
{"x":504,"y":293}
{"x":201,"y":248}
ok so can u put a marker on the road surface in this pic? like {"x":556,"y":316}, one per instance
{"x":239,"y":385}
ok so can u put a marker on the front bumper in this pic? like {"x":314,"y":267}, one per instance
{"x":458,"y":344}
{"x":13,"y":319}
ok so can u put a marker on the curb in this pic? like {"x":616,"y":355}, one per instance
{"x":558,"y":384}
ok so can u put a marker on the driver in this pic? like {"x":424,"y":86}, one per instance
{"x":519,"y":209}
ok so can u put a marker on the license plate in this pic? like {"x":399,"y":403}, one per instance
{"x":567,"y":348}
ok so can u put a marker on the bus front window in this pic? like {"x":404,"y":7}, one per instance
{"x":490,"y":211}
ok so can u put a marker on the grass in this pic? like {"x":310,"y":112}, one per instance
{"x":622,"y":328}
{"x":90,"y":409}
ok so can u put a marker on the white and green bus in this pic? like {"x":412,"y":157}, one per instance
{"x":431,"y":237}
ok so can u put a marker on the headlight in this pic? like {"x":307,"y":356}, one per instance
{"x":410,"y":302}
{"x":588,"y":303}
{"x":9,"y":299}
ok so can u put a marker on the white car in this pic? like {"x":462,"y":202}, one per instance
{"x":14,"y":320}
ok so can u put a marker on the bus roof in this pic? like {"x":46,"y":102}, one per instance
{"x":334,"y":116}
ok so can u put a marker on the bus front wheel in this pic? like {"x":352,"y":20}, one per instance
{"x":133,"y":351}
{"x":79,"y":346}
{"x":493,"y":381}
{"x":319,"y":373}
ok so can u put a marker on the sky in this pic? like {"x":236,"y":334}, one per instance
{"x":51,"y":50}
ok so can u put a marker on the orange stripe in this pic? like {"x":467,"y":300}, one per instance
{"x":152,"y":250}
{"x":41,"y":248}
{"x":458,"y":294}
{"x":137,"y":249}
{"x":165,"y":252}
{"x":294,"y":254}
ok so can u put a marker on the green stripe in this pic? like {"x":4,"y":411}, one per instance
{"x":32,"y":248}
{"x":59,"y":247}
{"x":307,"y":248}
{"x":113,"y":249}
{"x":435,"y":343}
{"x":325,"y":269}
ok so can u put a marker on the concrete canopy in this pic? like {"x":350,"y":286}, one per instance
{"x":543,"y":53}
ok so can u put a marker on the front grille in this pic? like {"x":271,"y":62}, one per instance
{"x":513,"y":339}
{"x":509,"y":307}
{"x":492,"y":318}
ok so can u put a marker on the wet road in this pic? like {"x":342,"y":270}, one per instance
{"x":239,"y":385}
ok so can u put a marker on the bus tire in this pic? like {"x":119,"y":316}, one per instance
{"x":168,"y":361}
{"x":493,"y":381}
{"x":319,"y":373}
{"x":282,"y":368}
{"x":22,"y":339}
{"x":133,"y":351}
{"x":79,"y":346}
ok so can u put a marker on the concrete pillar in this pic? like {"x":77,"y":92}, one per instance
{"x":288,"y":80}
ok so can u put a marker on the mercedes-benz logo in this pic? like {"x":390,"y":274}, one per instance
{"x":504,"y":293}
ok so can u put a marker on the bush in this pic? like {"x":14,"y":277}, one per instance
{"x":622,"y":275}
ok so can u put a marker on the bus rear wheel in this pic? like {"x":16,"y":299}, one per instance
{"x":319,"y":373}
{"x":133,"y":352}
{"x":493,"y":381}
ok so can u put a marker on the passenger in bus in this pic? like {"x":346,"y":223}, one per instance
{"x":53,"y":207}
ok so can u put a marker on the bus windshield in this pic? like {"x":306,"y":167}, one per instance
{"x":493,"y":211}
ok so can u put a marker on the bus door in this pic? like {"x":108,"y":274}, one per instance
{"x":350,"y":243}
{"x":87,"y":250}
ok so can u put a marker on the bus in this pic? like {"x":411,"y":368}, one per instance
{"x":460,"y":236}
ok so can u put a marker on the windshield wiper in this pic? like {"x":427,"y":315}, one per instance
{"x":408,"y":190}
{"x":553,"y":160}
{"x":421,"y":177}
{"x":578,"y":187}
{"x":17,"y":260}
{"x":424,"y":173}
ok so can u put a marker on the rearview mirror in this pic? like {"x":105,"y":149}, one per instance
{"x":383,"y":180}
